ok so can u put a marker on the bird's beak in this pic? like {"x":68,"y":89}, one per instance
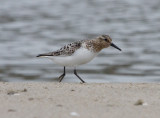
{"x":113,"y":45}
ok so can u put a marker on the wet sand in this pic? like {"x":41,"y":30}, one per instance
{"x":69,"y":100}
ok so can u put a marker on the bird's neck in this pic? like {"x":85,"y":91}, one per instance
{"x":94,"y":45}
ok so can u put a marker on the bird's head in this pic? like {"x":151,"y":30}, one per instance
{"x":107,"y":41}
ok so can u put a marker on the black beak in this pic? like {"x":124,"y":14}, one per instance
{"x":113,"y":45}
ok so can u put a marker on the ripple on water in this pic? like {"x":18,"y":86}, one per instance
{"x":28,"y":28}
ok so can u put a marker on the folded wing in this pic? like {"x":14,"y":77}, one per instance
{"x":67,"y":50}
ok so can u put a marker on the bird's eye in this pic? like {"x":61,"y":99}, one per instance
{"x":106,"y":40}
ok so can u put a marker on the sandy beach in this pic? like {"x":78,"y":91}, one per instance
{"x":69,"y":100}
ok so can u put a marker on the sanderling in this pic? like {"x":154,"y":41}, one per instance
{"x":79,"y":52}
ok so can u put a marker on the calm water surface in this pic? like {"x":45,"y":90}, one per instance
{"x":30,"y":27}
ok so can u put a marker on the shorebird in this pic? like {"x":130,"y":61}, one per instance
{"x":79,"y":52}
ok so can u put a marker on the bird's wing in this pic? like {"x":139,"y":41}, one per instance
{"x":66,"y":50}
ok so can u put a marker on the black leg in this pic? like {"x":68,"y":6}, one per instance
{"x":62,"y":76}
{"x":75,"y":72}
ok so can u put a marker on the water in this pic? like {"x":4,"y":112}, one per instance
{"x":29,"y":27}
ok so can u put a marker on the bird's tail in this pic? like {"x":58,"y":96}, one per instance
{"x":40,"y":55}
{"x":45,"y":54}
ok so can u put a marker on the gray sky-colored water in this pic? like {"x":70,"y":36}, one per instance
{"x":28,"y":28}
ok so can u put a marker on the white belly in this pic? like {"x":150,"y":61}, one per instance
{"x":81,"y":56}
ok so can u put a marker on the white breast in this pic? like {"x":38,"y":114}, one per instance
{"x":80,"y":56}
